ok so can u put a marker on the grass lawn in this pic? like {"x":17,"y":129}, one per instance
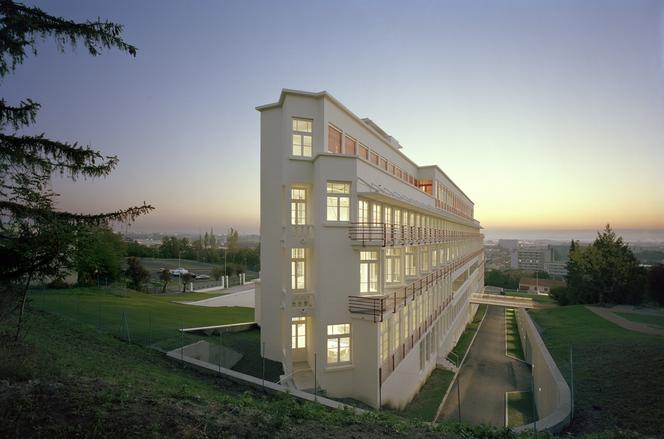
{"x":513,"y":345}
{"x":643,"y":318}
{"x":617,"y":373}
{"x":425,"y":405}
{"x":155,"y":321}
{"x":66,"y":380}
{"x":539,"y":298}
{"x":519,"y":408}
{"x":464,"y":341}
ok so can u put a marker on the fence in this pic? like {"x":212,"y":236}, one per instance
{"x":153,"y":321}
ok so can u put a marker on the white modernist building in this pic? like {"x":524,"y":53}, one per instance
{"x":368,"y":260}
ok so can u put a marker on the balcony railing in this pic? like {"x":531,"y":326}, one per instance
{"x":377,"y":305}
{"x":382,"y":234}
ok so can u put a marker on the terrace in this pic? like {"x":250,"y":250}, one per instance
{"x":383,"y":235}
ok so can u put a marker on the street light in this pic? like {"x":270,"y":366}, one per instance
{"x":458,"y":374}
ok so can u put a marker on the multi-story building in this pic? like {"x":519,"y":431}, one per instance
{"x":368,"y":260}
{"x":542,"y":258}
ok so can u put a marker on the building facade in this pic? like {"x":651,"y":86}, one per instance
{"x":368,"y":260}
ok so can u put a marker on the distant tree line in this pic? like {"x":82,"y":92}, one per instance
{"x":509,"y":279}
{"x":608,"y":272}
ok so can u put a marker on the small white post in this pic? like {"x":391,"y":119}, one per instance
{"x":191,"y":287}
{"x":222,"y":282}
{"x":227,"y":283}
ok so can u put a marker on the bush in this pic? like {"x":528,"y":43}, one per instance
{"x":561,"y":295}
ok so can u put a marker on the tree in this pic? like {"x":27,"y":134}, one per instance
{"x":605,"y":272}
{"x":217,"y":273}
{"x":36,"y":239}
{"x":99,"y":254}
{"x":165,"y":278}
{"x":655,"y":281}
{"x":136,"y":273}
{"x":232,"y":240}
{"x":212,"y":240}
{"x":186,"y":278}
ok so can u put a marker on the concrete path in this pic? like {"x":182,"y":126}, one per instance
{"x":246,"y":298}
{"x":486,"y":375}
{"x":610,"y":315}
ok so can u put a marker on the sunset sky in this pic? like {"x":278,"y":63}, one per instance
{"x":548,"y":114}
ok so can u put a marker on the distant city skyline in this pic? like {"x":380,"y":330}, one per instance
{"x":548,"y":114}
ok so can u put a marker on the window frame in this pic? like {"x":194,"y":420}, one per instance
{"x":338,"y":336}
{"x":298,"y":206}
{"x":296,"y":132}
{"x":298,"y":269}
{"x":297,"y":324}
{"x":337,"y":200}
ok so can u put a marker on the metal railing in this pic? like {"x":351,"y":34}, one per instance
{"x":383,"y":234}
{"x":377,"y":305}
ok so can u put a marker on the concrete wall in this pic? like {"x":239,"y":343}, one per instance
{"x":552,"y":394}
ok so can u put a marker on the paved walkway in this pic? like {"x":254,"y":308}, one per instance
{"x":246,"y":298}
{"x":610,"y":315}
{"x":486,"y":375}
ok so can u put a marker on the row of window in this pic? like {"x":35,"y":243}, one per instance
{"x":337,"y":343}
{"x":338,"y":210}
{"x":338,"y":143}
{"x":425,"y":258}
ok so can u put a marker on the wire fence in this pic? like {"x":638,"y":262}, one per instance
{"x":156,"y":322}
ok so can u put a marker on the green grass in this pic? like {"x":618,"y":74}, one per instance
{"x":519,"y":408}
{"x":425,"y":404}
{"x":513,"y":346}
{"x":67,"y":380}
{"x":464,"y":341}
{"x":147,"y":319}
{"x":643,"y":318}
{"x":539,"y":298}
{"x":617,"y":373}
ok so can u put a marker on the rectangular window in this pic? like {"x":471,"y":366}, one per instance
{"x":434,"y":257}
{"x":373,"y":158}
{"x":392,"y":265}
{"x":404,"y":323}
{"x":302,"y":132}
{"x":338,"y":343}
{"x":351,"y":146}
{"x":368,"y":272}
{"x":424,"y":258}
{"x":333,"y":140}
{"x":298,"y":206}
{"x":362,"y":211}
{"x":298,"y":332}
{"x":338,"y":201}
{"x":364,"y":152}
{"x":376,"y":216}
{"x":396,"y":336}
{"x":298,"y":269}
{"x":411,"y":268}
{"x":388,"y":215}
{"x":397,"y":217}
{"x":383,"y":163}
{"x":384,"y":340}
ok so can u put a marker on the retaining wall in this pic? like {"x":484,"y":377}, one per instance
{"x":552,"y":394}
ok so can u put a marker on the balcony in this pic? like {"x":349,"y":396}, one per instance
{"x":376,"y":305}
{"x":389,"y":235}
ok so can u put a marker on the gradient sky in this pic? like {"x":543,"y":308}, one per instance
{"x":547,"y":114}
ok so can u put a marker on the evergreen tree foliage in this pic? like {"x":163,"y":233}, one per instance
{"x":604,"y":272}
{"x":36,"y":239}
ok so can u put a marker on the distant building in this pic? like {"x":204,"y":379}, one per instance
{"x":488,"y":289}
{"x":508,"y":244}
{"x":539,"y":286}
{"x":542,"y":258}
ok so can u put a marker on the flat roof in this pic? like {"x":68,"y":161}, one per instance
{"x":370,"y":124}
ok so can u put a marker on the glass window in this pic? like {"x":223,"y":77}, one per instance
{"x":334,"y":140}
{"x":392,"y":265}
{"x":373,"y":158}
{"x":397,"y":216}
{"x":411,"y":268}
{"x":302,"y":137}
{"x":298,"y":269}
{"x":298,"y":206}
{"x":364,"y":152}
{"x":396,"y":339}
{"x":424,"y":258}
{"x":368,"y":272}
{"x":404,"y":322}
{"x":298,"y":333}
{"x":351,"y":146}
{"x":338,"y":343}
{"x":376,"y":210}
{"x":338,"y":201}
{"x":362,"y":211}
{"x":388,"y":215}
{"x":384,"y":340}
{"x":383,"y":163}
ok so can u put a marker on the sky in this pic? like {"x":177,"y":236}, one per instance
{"x":548,"y":114}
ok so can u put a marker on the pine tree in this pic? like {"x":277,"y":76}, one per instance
{"x":36,"y":239}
